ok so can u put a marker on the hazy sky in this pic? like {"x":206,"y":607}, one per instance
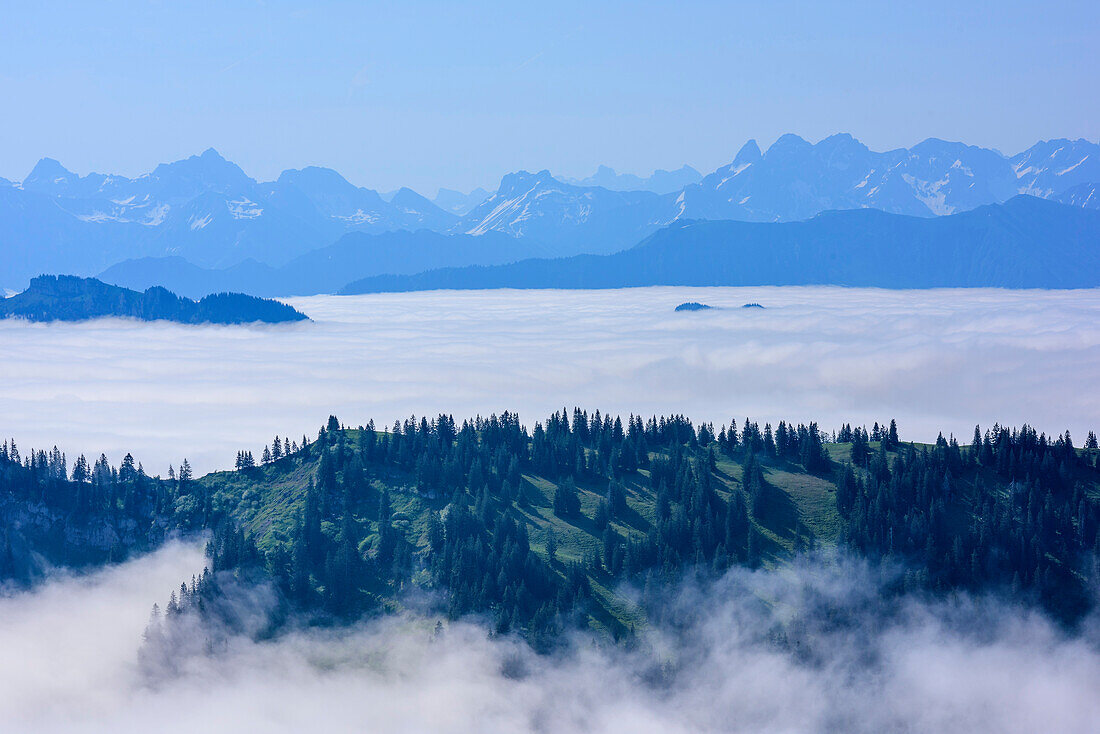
{"x":428,"y":94}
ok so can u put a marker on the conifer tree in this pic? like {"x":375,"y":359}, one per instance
{"x":567,"y":502}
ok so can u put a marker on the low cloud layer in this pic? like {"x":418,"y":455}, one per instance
{"x":935,"y":360}
{"x":809,"y":649}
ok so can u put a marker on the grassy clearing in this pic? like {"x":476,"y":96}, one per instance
{"x":269,"y":501}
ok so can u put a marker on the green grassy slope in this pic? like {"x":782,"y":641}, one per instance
{"x":796,"y":510}
{"x":268,"y":502}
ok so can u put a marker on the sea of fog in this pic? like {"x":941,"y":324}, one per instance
{"x":813,"y":647}
{"x":72,"y":658}
{"x":936,"y":360}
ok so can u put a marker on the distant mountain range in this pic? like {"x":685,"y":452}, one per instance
{"x":458,"y":203}
{"x":328,"y":269}
{"x":791,"y":181}
{"x":566,"y":218}
{"x":204,"y":209}
{"x":207,"y":211}
{"x":795,"y":180}
{"x":661,"y":182}
{"x":69,"y":298}
{"x":1024,"y":243}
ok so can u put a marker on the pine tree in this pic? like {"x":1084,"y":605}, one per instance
{"x":616,"y":499}
{"x":603,"y":515}
{"x":80,"y":468}
{"x":567,"y":502}
{"x":756,"y":486}
{"x":754,"y":553}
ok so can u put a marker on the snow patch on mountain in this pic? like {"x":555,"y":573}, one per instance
{"x":244,"y":209}
{"x":157,"y":215}
{"x":200,"y":222}
{"x":1064,"y":171}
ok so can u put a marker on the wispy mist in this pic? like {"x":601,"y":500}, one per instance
{"x":68,"y":650}
{"x":935,"y":360}
{"x":813,"y":648}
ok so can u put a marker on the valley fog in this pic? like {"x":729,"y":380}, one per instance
{"x":936,"y":360}
{"x":811,"y":648}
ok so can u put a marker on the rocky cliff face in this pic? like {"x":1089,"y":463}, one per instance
{"x":36,"y":537}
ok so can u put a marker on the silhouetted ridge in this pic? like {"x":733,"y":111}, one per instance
{"x":1024,"y":243}
{"x":69,"y":298}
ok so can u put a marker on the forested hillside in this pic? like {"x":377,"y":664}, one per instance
{"x":69,"y":298}
{"x":541,"y":530}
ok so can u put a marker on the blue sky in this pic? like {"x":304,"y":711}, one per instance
{"x":448,"y":94}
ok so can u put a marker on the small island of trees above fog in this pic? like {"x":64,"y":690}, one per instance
{"x":539,"y":531}
{"x":69,"y":298}
{"x":696,"y":306}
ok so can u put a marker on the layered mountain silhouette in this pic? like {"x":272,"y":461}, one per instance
{"x":458,"y":203}
{"x":661,"y":182}
{"x":328,"y":269}
{"x":211,"y":214}
{"x":204,"y":209}
{"x":569,"y":219}
{"x":796,"y":180}
{"x":1024,"y":243}
{"x":791,"y":181}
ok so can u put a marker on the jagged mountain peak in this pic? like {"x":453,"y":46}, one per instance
{"x":46,"y":173}
{"x":932,"y":147}
{"x":749,"y":153}
{"x":207,"y":171}
{"x":512,"y":182}
{"x":209,"y":159}
{"x":405,"y":197}
{"x":788,"y":143}
{"x":314,"y":176}
{"x":421,"y":210}
{"x":205,"y":208}
{"x":661,"y":181}
{"x":842,"y":142}
{"x":1055,"y":146}
{"x":1054,"y":168}
{"x":210,"y":156}
{"x":796,"y":179}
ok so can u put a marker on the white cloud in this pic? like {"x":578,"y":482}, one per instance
{"x":70,"y":647}
{"x":852,"y":662}
{"x":935,"y":360}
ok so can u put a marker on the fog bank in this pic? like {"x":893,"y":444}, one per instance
{"x":935,"y":360}
{"x":809,"y":649}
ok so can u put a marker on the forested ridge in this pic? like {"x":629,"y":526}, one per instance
{"x":69,"y":298}
{"x":538,"y":530}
